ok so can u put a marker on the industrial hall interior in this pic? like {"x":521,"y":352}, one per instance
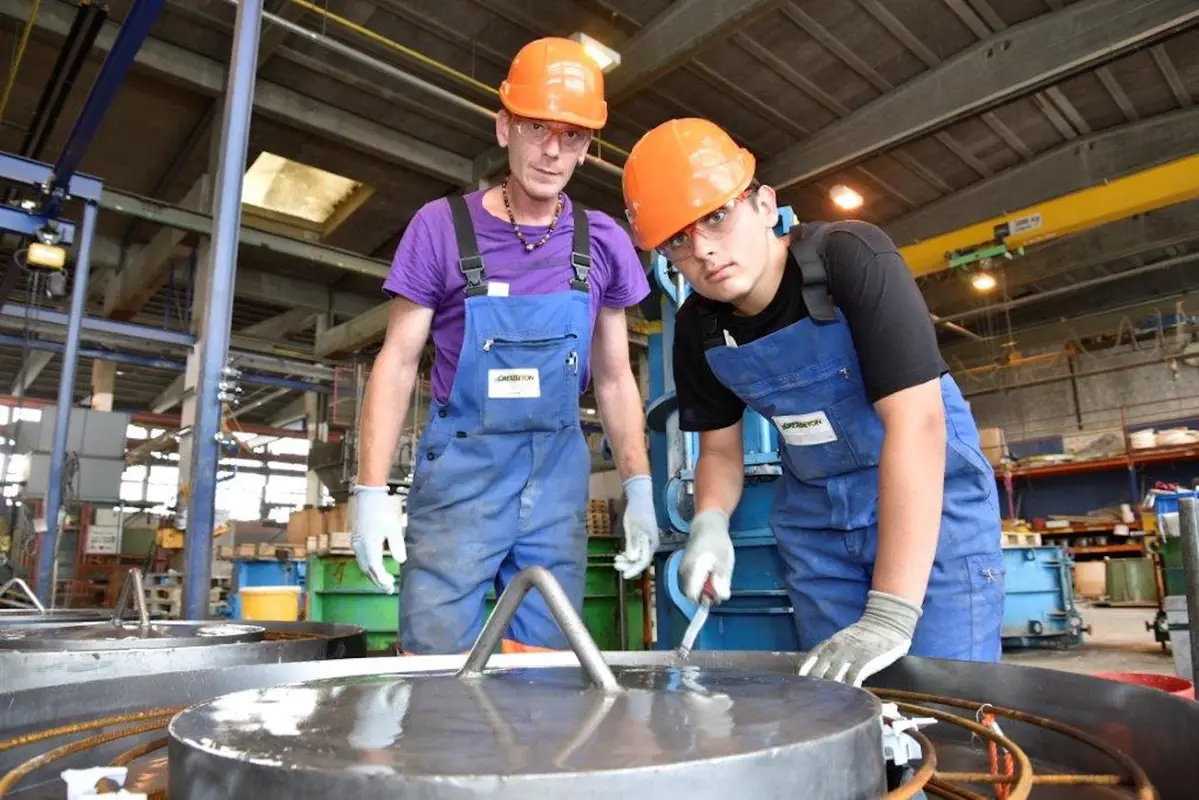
{"x":576,"y":398}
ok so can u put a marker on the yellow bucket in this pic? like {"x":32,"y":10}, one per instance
{"x":270,"y":603}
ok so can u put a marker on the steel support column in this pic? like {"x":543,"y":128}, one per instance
{"x":62,"y":415}
{"x":214,"y":343}
{"x":1188,"y":519}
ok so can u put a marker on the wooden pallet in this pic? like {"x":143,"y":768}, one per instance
{"x":1021,"y":539}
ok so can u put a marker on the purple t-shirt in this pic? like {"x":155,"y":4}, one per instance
{"x":425,"y":270}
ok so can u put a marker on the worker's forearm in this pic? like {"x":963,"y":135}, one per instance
{"x":911,"y":488}
{"x":388,"y":394}
{"x":718,"y":480}
{"x":624,"y":423}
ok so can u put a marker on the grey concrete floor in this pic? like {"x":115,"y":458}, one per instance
{"x":1118,"y":643}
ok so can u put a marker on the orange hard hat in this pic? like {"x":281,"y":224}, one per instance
{"x":554,"y":79}
{"x":679,"y":172}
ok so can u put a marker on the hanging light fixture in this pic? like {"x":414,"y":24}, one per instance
{"x":983,"y":281}
{"x":844,"y":197}
{"x":607,"y":58}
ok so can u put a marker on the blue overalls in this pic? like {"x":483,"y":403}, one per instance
{"x":807,"y":380}
{"x":502,"y":472}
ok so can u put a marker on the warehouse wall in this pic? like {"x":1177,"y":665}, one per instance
{"x":1146,"y":392}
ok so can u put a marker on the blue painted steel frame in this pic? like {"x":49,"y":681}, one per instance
{"x":157,"y":362}
{"x":62,"y":413}
{"x":25,"y":223}
{"x":36,"y":174}
{"x":214,"y":349}
{"x":111,"y":75}
{"x":128,"y":330}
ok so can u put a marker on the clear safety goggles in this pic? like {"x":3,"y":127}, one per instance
{"x":717,"y":224}
{"x":572,"y":139}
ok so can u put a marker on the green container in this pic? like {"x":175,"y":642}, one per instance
{"x":1175,"y":574}
{"x":338,"y":591}
{"x":1130,"y":580}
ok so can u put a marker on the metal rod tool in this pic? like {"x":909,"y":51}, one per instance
{"x":697,"y":622}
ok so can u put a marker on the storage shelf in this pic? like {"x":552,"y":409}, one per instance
{"x":1147,"y":456}
{"x":1078,"y":530}
{"x":1111,"y":548}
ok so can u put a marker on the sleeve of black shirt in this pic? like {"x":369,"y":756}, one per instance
{"x":705,"y":404}
{"x":888,"y":318}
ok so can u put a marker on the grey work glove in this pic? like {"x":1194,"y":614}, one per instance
{"x":640,"y":527}
{"x":377,"y":521}
{"x":873,"y":643}
{"x":709,"y":554}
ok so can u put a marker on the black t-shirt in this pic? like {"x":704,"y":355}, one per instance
{"x":888,"y":319}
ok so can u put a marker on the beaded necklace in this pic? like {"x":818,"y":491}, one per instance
{"x":530,"y":246}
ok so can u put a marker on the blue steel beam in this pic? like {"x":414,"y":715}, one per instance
{"x":25,"y":223}
{"x":32,"y":173}
{"x":156,"y":362}
{"x":127,"y":330}
{"x":108,"y":81}
{"x":62,"y":417}
{"x":218,"y":318}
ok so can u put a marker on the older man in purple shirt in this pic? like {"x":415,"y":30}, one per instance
{"x":524,"y":295}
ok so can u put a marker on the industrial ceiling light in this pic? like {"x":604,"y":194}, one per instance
{"x":845,"y":198}
{"x":983,"y":282}
{"x":607,"y":58}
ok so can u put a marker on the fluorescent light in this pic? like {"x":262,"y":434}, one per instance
{"x":607,"y":58}
{"x":845,"y":198}
{"x":983,"y":282}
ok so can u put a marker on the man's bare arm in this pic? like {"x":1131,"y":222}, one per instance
{"x":389,"y":390}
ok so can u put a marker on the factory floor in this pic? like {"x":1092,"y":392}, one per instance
{"x":1118,"y":643}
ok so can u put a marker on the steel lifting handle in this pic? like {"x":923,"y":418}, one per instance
{"x":135,"y":587}
{"x":564,"y":614}
{"x":20,"y":584}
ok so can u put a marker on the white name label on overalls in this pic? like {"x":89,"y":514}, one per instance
{"x":800,"y":430}
{"x":497,"y":289}
{"x":513,"y":383}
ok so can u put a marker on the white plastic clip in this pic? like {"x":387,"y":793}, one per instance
{"x":898,"y":746}
{"x":81,"y":783}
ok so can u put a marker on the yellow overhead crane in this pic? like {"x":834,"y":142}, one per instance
{"x":1003,"y":236}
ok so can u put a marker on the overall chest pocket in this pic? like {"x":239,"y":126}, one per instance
{"x":819,"y":421}
{"x":529,"y":383}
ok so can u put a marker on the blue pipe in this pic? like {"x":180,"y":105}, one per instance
{"x":62,"y":414}
{"x":235,"y":136}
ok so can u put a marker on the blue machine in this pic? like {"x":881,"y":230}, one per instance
{"x":1039,"y":603}
{"x":758,"y":615}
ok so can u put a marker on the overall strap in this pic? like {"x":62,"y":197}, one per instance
{"x":469,"y":260}
{"x":580,"y":249}
{"x":710,"y":330}
{"x":809,"y":254}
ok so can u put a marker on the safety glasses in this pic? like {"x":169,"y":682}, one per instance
{"x":717,"y":224}
{"x":571,"y":138}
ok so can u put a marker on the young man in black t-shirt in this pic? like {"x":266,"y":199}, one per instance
{"x":886,"y":515}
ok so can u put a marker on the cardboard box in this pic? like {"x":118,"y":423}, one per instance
{"x":994,"y":445}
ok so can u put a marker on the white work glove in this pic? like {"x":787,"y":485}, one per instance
{"x":640,"y":527}
{"x":873,"y":643}
{"x":709,"y":554}
{"x":377,"y":520}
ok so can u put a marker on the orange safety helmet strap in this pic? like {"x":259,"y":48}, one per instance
{"x":554,"y":79}
{"x":678,"y":173}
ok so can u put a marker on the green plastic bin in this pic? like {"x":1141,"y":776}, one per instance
{"x":1130,"y":580}
{"x":338,"y":591}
